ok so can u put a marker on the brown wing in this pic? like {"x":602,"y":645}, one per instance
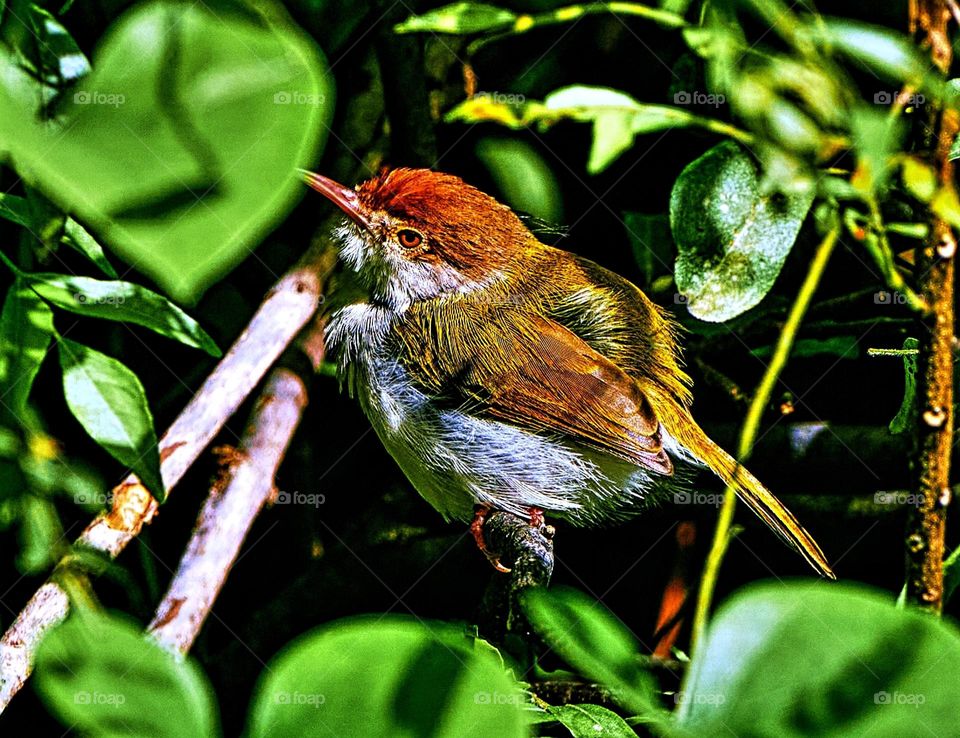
{"x":534,"y":373}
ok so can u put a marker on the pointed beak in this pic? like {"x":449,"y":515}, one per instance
{"x":343,"y":197}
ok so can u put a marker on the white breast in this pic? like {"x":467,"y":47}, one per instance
{"x":456,"y":460}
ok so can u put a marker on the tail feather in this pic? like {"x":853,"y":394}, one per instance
{"x":749,"y":489}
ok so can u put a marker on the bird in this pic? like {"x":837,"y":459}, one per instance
{"x":503,"y":374}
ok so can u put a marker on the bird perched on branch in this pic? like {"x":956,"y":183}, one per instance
{"x":504,"y":374}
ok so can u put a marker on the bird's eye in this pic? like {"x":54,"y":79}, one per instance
{"x":409,"y":238}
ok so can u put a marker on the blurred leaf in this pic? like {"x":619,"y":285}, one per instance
{"x":617,"y":119}
{"x":591,"y":639}
{"x":102,"y":676}
{"x":40,"y":531}
{"x":652,"y":243}
{"x":888,"y":54}
{"x":906,"y":415}
{"x":16,"y":209}
{"x":386,"y":677}
{"x":26,"y":327}
{"x":732,"y":240}
{"x":459,"y":18}
{"x":876,"y":139}
{"x":522,"y":175}
{"x":109,"y":401}
{"x":806,"y":659}
{"x":122,"y":301}
{"x":951,"y":575}
{"x":919,"y":178}
{"x":139,"y":150}
{"x":76,"y":237}
{"x":587,"y":721}
{"x":845,"y":347}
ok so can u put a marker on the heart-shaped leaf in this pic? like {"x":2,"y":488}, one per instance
{"x":732,"y":238}
{"x":179,"y":149}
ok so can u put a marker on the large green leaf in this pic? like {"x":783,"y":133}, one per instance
{"x":732,"y":238}
{"x":123,"y":301}
{"x":102,"y":676}
{"x":825,"y":660}
{"x":26,"y":327}
{"x":179,"y":149}
{"x":386,"y":677}
{"x":109,"y":401}
{"x":594,"y":641}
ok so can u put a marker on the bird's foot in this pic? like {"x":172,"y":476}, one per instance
{"x":480,"y":513}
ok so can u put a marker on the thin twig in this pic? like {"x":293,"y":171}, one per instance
{"x":751,"y":425}
{"x":285,"y":310}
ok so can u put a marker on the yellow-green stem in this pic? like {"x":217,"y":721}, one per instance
{"x":751,"y":426}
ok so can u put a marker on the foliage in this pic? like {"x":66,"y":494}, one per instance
{"x":699,"y":148}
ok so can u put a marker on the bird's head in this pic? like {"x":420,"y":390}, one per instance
{"x":416,"y":234}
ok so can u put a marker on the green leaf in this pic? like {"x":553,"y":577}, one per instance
{"x":732,"y":238}
{"x":884,"y":52}
{"x":122,"y":301}
{"x":179,"y":150}
{"x":617,"y":119}
{"x":587,"y":721}
{"x":524,"y":178}
{"x":386,"y":677}
{"x":16,"y":209}
{"x":109,"y":401}
{"x":102,"y":676}
{"x":459,"y":18}
{"x":588,"y":636}
{"x":652,"y":243}
{"x":26,"y":327}
{"x":906,"y":415}
{"x":76,"y":237}
{"x":877,"y":138}
{"x":844,"y":347}
{"x":826,"y":660}
{"x":951,"y":575}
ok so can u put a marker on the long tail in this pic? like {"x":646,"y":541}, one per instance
{"x":761,"y":500}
